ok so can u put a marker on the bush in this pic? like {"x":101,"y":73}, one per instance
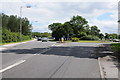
{"x":89,"y":37}
{"x":75,"y":39}
{"x":25,"y":37}
{"x":116,"y":48}
{"x":82,"y":34}
{"x":8,"y":36}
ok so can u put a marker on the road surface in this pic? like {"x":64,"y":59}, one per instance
{"x":50,"y":60}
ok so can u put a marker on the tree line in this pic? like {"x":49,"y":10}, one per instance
{"x":11,"y":28}
{"x":38,"y":34}
{"x":76,"y":27}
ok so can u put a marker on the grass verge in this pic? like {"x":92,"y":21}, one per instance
{"x":85,"y":41}
{"x":15,"y":42}
{"x":116,"y":48}
{"x":89,"y":41}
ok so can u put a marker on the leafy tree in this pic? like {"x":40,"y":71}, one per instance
{"x":76,"y":27}
{"x":106,"y":36}
{"x":67,"y":30}
{"x":36,"y":34}
{"x":101,"y":36}
{"x":81,"y":34}
{"x":12,"y":23}
{"x":113,"y":36}
{"x":78,"y":23}
{"x":95,"y":31}
{"x":45,"y":34}
{"x":54,"y":26}
{"x":11,"y":28}
{"x":57,"y":30}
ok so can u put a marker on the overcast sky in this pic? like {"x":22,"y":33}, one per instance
{"x":102,"y":14}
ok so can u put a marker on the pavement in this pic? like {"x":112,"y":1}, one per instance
{"x":108,"y":62}
{"x":6,"y":46}
{"x":36,"y":59}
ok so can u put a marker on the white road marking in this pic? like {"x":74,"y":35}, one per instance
{"x":2,"y":48}
{"x":53,"y":45}
{"x":11,"y":66}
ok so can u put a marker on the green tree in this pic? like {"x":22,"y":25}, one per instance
{"x":11,"y":28}
{"x":67,"y":30}
{"x":45,"y":34}
{"x":101,"y":36}
{"x":106,"y":36}
{"x":113,"y":36}
{"x":57,"y":30}
{"x":78,"y":23}
{"x":95,"y":31}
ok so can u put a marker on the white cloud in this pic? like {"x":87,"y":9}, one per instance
{"x":107,"y":26}
{"x":59,"y":0}
{"x":48,"y":12}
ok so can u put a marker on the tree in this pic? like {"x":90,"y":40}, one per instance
{"x":81,"y":34}
{"x":45,"y":34}
{"x":12,"y":23}
{"x":76,"y":27}
{"x":67,"y":30}
{"x":113,"y":36}
{"x":11,"y":28}
{"x":54,"y":26}
{"x":57,"y":30}
{"x":78,"y":23}
{"x":106,"y":36}
{"x":4,"y":20}
{"x":101,"y":36}
{"x":95,"y":31}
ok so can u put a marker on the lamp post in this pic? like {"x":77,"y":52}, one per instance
{"x":21,"y":20}
{"x":118,"y":28}
{"x":21,"y":23}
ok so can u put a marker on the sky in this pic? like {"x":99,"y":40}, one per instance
{"x":41,"y":14}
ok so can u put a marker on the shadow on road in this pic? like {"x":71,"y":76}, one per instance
{"x":24,"y":51}
{"x":75,"y":51}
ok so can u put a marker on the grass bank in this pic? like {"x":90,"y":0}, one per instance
{"x":116,"y":48}
{"x":90,"y":41}
{"x":15,"y":42}
{"x":85,"y":41}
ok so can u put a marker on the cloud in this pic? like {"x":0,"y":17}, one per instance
{"x":59,"y":1}
{"x":48,"y":12}
{"x":107,"y":26}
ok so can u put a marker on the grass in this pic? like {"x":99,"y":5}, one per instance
{"x":52,"y":40}
{"x":116,"y":47}
{"x":90,"y":41}
{"x":14,"y":42}
{"x":85,"y":41}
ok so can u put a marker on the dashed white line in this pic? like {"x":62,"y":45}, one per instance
{"x":11,"y":66}
{"x":22,"y":61}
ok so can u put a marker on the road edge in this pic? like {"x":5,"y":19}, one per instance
{"x":101,"y":70}
{"x":6,"y":46}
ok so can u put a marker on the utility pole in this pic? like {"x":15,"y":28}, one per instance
{"x":21,"y":23}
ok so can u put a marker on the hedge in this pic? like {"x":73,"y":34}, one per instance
{"x":89,"y":37}
{"x":8,"y":36}
{"x":75,"y":39}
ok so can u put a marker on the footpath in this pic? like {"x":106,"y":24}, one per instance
{"x":108,"y":62}
{"x":3,"y":47}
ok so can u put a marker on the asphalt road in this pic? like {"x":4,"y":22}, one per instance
{"x":51,"y":60}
